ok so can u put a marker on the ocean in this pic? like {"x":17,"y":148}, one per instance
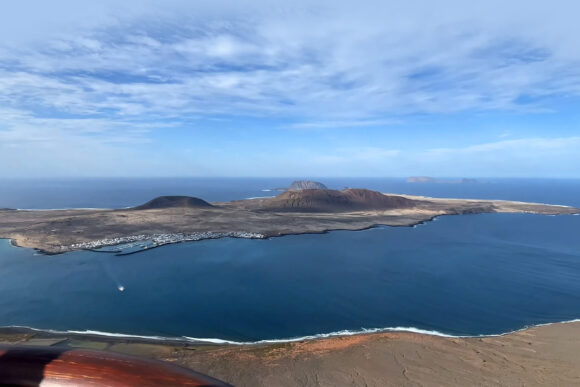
{"x":119,"y":193}
{"x":458,"y":275}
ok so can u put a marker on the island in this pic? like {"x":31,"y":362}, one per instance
{"x":308,"y":207}
{"x":300,"y":185}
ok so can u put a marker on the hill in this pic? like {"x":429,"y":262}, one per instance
{"x":174,"y":202}
{"x":327,"y":200}
{"x":300,"y":185}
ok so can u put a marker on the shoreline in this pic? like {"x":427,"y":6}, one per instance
{"x":546,"y":354}
{"x":94,"y":246}
{"x":187,"y":340}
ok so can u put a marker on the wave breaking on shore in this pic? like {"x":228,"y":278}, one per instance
{"x":217,"y":341}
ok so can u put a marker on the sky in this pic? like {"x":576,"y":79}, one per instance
{"x":302,"y":88}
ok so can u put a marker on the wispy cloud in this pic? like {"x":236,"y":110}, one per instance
{"x":104,"y":73}
{"x":19,"y":128}
{"x":310,"y":61}
{"x":343,"y":124}
{"x":524,"y":157}
{"x":528,"y":145}
{"x":36,"y":146}
{"x":356,"y":155}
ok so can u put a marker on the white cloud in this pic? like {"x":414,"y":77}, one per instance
{"x":528,"y":145}
{"x":110,"y":72}
{"x":316,"y":60}
{"x":525,"y":157}
{"x":32,"y":146}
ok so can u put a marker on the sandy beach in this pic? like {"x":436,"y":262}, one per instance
{"x":542,"y":355}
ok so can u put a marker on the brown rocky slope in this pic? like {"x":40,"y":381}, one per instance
{"x":328,"y":200}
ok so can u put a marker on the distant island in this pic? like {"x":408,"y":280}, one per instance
{"x":306,"y":207}
{"x":427,"y":179}
{"x":305,"y":184}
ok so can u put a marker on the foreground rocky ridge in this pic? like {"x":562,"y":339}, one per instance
{"x":538,"y":356}
{"x":176,"y":219}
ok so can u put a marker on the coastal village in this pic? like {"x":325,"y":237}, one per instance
{"x":157,"y":240}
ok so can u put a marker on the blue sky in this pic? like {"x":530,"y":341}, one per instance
{"x":302,"y":88}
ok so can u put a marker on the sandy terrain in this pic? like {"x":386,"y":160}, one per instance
{"x":545,"y":355}
{"x":57,"y":231}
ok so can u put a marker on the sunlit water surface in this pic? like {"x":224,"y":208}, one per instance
{"x":459,"y":275}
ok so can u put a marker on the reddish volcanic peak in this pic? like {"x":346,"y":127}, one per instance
{"x":317,"y":200}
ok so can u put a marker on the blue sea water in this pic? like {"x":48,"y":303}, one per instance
{"x":458,"y":275}
{"x":125,"y":192}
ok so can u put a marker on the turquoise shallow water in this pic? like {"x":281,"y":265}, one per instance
{"x":459,"y":275}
